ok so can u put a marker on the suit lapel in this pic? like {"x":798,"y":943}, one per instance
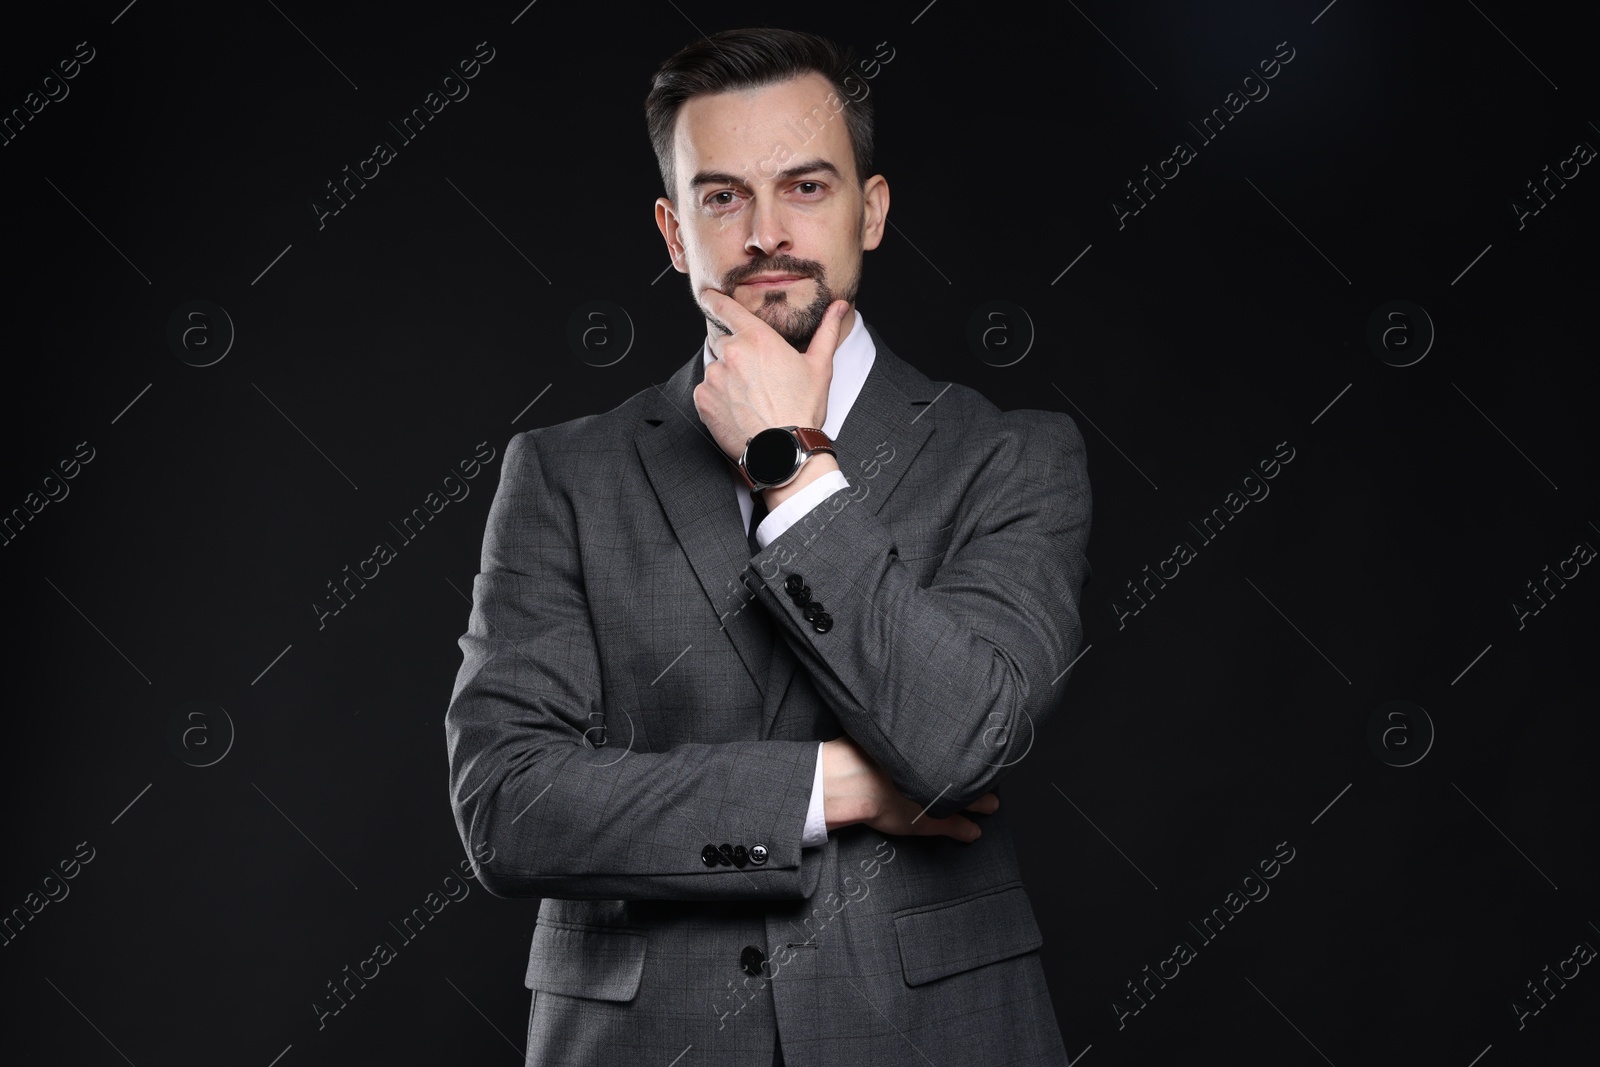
{"x":694,"y":482}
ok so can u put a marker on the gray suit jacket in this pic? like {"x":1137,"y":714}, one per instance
{"x":634,"y":728}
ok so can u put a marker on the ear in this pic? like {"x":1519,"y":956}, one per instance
{"x":874,"y":211}
{"x":672,"y":232}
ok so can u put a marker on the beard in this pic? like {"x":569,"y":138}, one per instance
{"x":795,"y":324}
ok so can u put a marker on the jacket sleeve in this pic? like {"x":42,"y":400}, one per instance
{"x":546,"y":814}
{"x":945,"y":685}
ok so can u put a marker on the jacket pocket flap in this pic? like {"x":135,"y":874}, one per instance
{"x":924,"y":544}
{"x":602,"y":963}
{"x":944,"y":939}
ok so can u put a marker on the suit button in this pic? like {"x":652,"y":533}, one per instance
{"x":710,"y":856}
{"x":813,"y":610}
{"x":725,"y":855}
{"x":794,"y":584}
{"x":740,"y":856}
{"x":822,"y":623}
{"x":801,"y":596}
{"x":758,"y":854}
{"x":751,"y":960}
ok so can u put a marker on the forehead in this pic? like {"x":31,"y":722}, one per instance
{"x":743,"y":131}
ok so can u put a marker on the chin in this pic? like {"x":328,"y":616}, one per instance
{"x":792,"y":327}
{"x":775,"y":315}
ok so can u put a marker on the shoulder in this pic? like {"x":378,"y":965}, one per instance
{"x":583,"y":442}
{"x":973,"y":421}
{"x":967,"y":418}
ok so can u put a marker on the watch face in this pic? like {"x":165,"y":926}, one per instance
{"x":771,"y":456}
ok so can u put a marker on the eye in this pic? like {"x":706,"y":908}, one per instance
{"x":817,"y":186}
{"x":714,"y":201}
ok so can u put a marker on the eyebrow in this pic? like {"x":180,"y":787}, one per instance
{"x":810,"y":166}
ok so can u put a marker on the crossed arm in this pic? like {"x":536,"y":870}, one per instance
{"x":938,"y":688}
{"x":850,"y":787}
{"x":943,"y":687}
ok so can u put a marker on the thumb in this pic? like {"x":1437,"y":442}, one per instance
{"x":826,"y":339}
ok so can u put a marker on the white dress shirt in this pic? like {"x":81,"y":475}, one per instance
{"x":851,"y":362}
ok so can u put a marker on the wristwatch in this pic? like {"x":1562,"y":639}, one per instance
{"x":774,"y":456}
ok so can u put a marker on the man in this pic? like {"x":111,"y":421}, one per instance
{"x":747,"y":778}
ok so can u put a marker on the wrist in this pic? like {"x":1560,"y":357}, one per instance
{"x":778,"y":455}
{"x":814,"y":468}
{"x":844,"y":800}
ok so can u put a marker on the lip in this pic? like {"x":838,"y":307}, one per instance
{"x":767,"y":281}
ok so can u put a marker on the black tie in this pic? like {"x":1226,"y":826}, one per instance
{"x":756,"y":515}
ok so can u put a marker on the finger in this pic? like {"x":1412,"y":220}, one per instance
{"x":733,"y":314}
{"x":987,"y":804}
{"x":965,"y":829}
{"x":826,"y":339}
{"x":962,"y":829}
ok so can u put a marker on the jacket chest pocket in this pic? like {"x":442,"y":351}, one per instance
{"x":922,"y":543}
{"x":598,"y":962}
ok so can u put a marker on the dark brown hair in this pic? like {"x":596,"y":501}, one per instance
{"x":746,"y":59}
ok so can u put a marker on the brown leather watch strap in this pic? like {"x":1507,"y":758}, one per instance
{"x":814,"y":440}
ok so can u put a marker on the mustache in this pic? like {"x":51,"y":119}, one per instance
{"x":776,"y":265}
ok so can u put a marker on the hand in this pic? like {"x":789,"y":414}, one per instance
{"x":758,"y":380}
{"x":855,"y":789}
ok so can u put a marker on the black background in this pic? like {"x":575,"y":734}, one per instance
{"x":377,"y":352}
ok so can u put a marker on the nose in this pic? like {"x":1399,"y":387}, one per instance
{"x":769,"y":234}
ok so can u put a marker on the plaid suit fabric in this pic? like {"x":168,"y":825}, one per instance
{"x":619,"y":601}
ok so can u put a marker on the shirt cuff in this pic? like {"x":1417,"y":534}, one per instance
{"x":816,"y":831}
{"x":798,"y":506}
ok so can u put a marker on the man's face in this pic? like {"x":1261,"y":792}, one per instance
{"x":768,"y":208}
